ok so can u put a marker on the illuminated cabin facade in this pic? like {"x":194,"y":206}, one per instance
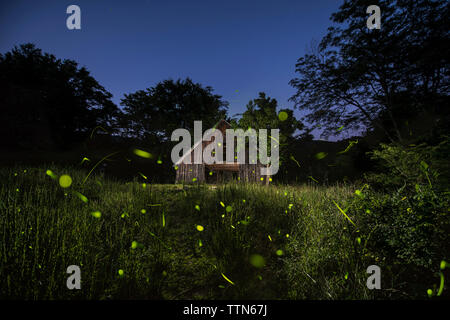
{"x":218,"y":173}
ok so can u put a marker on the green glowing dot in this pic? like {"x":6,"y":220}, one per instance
{"x":346,"y":276}
{"x":368,"y":211}
{"x":287,"y":235}
{"x":144,"y":185}
{"x":430,"y":292}
{"x":321,"y":155}
{"x":358,"y":240}
{"x":443,"y":264}
{"x":164,"y":273}
{"x":229,"y":209}
{"x":257,"y":260}
{"x":143,"y":211}
{"x":120,"y":272}
{"x":210,"y":173}
{"x":25,"y":171}
{"x":65,"y":181}
{"x":82,"y":197}
{"x":270,"y":179}
{"x":221,"y":286}
{"x":223,"y":216}
{"x":222,"y":204}
{"x":200,"y":244}
{"x":134,"y":245}
{"x":142,"y":153}
{"x":200,"y":228}
{"x":15,"y":174}
{"x":17,"y":190}
{"x":176,"y":167}
{"x":159,"y":162}
{"x":259,"y":277}
{"x":358,"y":192}
{"x":194,"y":179}
{"x":279,"y":252}
{"x":283,"y":116}
{"x":96,"y":214}
{"x":197,"y":207}
{"x":243,"y":200}
{"x":270,"y":238}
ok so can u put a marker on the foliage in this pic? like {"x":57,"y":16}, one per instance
{"x":360,"y":78}
{"x":152,"y":114}
{"x":406,"y":213}
{"x":47,"y":102}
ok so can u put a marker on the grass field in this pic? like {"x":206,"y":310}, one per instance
{"x":143,"y":241}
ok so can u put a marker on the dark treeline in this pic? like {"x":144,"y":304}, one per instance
{"x":389,"y":85}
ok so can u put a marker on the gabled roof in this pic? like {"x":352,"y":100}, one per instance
{"x":222,"y":121}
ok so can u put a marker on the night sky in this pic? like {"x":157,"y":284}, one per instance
{"x":239,"y":47}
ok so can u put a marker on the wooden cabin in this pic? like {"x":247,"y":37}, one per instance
{"x":218,"y":173}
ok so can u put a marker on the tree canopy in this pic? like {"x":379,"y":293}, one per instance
{"x":47,"y":102}
{"x":152,"y":114}
{"x":358,"y":78}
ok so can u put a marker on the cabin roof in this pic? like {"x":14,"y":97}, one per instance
{"x":222,"y":121}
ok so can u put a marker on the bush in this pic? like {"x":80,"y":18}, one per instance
{"x":404,"y":213}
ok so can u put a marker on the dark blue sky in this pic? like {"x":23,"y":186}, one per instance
{"x":239,"y":47}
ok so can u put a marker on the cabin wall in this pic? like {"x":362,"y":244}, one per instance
{"x":187,"y":173}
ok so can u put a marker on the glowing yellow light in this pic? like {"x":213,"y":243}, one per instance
{"x":142,"y":153}
{"x":82,"y":197}
{"x":65,"y":181}
{"x":97,"y":214}
{"x":134,"y":245}
{"x":222,"y":204}
{"x":321,"y":155}
{"x":283,"y":116}
{"x":227,"y":279}
{"x":142,"y":175}
{"x":197,"y":207}
{"x":120,"y":272}
{"x":229,"y":209}
{"x":257,"y":260}
{"x":270,"y":238}
{"x":143,"y":211}
{"x":200,"y":228}
{"x":279,"y":252}
{"x":49,"y":173}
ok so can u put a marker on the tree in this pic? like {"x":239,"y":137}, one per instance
{"x":152,"y":114}
{"x":262,"y":113}
{"x":360,"y":78}
{"x":47,"y":102}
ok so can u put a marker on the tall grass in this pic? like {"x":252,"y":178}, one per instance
{"x":308,"y":248}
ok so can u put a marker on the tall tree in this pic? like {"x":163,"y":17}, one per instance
{"x":360,"y":78}
{"x":48,"y":102}
{"x":262,"y":113}
{"x":152,"y":114}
